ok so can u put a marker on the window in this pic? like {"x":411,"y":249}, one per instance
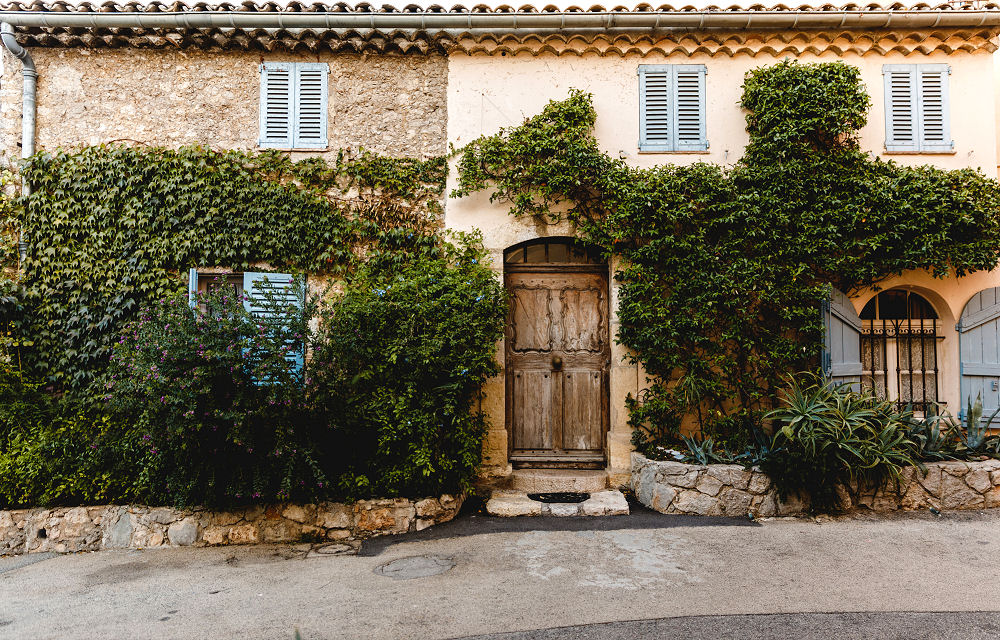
{"x":293,"y":112}
{"x":270,"y":297}
{"x":916,"y":108}
{"x":899,"y":349}
{"x":672,"y":107}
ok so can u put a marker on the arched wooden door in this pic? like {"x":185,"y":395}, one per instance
{"x":557,"y":354}
{"x":979,"y":348}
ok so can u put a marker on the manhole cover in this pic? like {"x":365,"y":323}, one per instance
{"x":563,"y":496}
{"x":415,"y":567}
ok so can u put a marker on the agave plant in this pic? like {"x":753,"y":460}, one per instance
{"x":976,"y":429}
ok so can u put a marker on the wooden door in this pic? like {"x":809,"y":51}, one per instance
{"x":557,"y":359}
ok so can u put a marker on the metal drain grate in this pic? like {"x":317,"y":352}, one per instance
{"x":559,"y":497}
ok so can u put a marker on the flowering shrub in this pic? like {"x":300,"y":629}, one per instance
{"x":222,"y":408}
{"x":397,"y":364}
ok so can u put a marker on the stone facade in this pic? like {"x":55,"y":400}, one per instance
{"x":733,"y":490}
{"x":390,"y":104}
{"x":68,"y":529}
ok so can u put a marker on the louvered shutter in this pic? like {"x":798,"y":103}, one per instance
{"x":901,"y":132}
{"x":689,"y":107}
{"x":193,"y":288}
{"x":271,"y":298}
{"x":842,"y":341}
{"x":933,"y":107}
{"x":917,"y":108}
{"x":277,"y":87}
{"x":293,"y":99}
{"x":655,"y":108}
{"x":979,"y":352}
{"x":672,"y":107}
{"x":310,"y":106}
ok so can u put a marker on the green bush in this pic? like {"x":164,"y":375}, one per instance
{"x":53,"y":452}
{"x":828,"y":435}
{"x":398,"y":362}
{"x":221,"y":408}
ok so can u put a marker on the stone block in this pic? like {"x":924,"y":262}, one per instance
{"x":215,"y":534}
{"x":694,"y":502}
{"x":119,"y":534}
{"x":765,"y":505}
{"x":563,"y":509}
{"x":509,"y":504}
{"x":280,"y":531}
{"x":992,"y":498}
{"x":978,"y":480}
{"x":243,"y":534}
{"x":334,"y":515}
{"x":663,"y":497}
{"x":759,"y":483}
{"x":955,"y":494}
{"x":183,"y":533}
{"x":428,"y":508}
{"x":735,"y":502}
{"x":709,"y":485}
{"x":605,"y":503}
{"x":377,"y":519}
{"x":792,"y":505}
{"x":299,"y":513}
{"x":161,"y":516}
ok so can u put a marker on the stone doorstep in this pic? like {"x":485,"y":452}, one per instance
{"x":514,"y":503}
{"x":558,"y":480}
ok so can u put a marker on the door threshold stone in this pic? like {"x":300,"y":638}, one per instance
{"x":514,"y":503}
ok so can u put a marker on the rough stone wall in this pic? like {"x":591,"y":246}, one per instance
{"x":733,"y":490}
{"x":393,"y":105}
{"x":69,"y":529}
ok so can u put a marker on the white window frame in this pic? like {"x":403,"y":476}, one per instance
{"x":917,"y":110}
{"x":292,"y":142}
{"x":672,"y":144}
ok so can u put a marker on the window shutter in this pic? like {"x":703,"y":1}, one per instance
{"x":654,"y":108}
{"x":311,"y":88}
{"x":689,"y":107}
{"x":276,"y":105}
{"x":266,"y":295}
{"x":933,"y":107}
{"x":193,"y":288}
{"x":901,"y":131}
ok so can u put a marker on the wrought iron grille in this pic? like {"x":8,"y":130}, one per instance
{"x":899,"y":349}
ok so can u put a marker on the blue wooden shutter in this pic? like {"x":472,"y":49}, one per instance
{"x":688,"y":124}
{"x":842,"y":344}
{"x":277,"y":105}
{"x":283,"y":290}
{"x":979,"y":351}
{"x":311,"y":90}
{"x":655,"y":108}
{"x":193,"y":288}
{"x":933,"y":107}
{"x":901,"y":129}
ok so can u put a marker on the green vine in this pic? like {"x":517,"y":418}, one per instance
{"x":724,"y":269}
{"x":112,"y":228}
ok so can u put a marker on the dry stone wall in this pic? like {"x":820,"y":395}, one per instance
{"x":733,"y":490}
{"x":68,"y":529}
{"x":389,"y":104}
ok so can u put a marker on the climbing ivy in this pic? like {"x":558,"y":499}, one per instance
{"x":723,"y":270}
{"x":113,"y":228}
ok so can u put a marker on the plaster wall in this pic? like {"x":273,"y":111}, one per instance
{"x":392,"y":105}
{"x":488,"y":92}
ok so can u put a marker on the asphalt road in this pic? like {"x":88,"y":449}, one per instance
{"x":640,"y":576}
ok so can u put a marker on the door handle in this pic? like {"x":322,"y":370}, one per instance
{"x":556,"y":363}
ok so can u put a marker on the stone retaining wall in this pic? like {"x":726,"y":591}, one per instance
{"x":67,"y":529}
{"x":732,"y":490}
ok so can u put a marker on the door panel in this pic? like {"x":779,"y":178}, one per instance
{"x":536,"y":396}
{"x":582,"y":416}
{"x":557,"y":357}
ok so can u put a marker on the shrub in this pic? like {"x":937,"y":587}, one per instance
{"x":829,"y":435}
{"x":222,"y":411}
{"x":54,"y":452}
{"x":397,"y":365}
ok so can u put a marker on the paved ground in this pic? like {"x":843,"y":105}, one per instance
{"x":652,"y":576}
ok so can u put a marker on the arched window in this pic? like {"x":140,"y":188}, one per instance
{"x":552,"y":250}
{"x":899,"y":349}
